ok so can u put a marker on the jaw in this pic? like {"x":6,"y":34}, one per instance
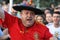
{"x":56,"y":22}
{"x":28,"y":23}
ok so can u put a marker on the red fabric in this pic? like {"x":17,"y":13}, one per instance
{"x":1,"y":21}
{"x":19,"y":32}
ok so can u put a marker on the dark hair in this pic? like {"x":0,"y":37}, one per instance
{"x":51,"y":11}
{"x":53,"y":3}
{"x":47,"y":9}
{"x":57,"y":12}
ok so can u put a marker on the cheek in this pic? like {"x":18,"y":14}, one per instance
{"x":53,"y":19}
{"x":59,"y":19}
{"x":47,"y":19}
{"x":23,"y":17}
{"x":33,"y":16}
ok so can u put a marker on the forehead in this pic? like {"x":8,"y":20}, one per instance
{"x":48,"y":14}
{"x":38,"y":16}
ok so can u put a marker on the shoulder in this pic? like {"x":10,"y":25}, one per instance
{"x":7,"y":15}
{"x":9,"y":19}
{"x":50,"y":26}
{"x":42,"y":26}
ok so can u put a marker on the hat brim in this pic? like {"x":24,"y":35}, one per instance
{"x":19,"y":8}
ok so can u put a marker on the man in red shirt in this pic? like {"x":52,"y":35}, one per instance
{"x":26,"y":28}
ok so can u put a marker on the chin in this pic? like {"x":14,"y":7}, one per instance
{"x":56,"y":22}
{"x":29,"y":24}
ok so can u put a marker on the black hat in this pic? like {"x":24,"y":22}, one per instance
{"x":27,"y":7}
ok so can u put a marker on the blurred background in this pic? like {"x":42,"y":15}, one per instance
{"x":41,"y":3}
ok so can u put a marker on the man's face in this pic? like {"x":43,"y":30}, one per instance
{"x":56,"y":18}
{"x":27,"y":18}
{"x":49,"y":18}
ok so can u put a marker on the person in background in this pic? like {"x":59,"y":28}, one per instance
{"x":4,"y":6}
{"x":55,"y":27}
{"x":49,"y":19}
{"x":40,"y":19}
{"x":47,"y":10}
{"x":52,"y":6}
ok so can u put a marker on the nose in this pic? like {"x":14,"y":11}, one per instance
{"x":29,"y":14}
{"x":55,"y":18}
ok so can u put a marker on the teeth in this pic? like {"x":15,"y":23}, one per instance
{"x":29,"y":19}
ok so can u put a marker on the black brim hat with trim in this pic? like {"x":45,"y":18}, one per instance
{"x":27,"y":7}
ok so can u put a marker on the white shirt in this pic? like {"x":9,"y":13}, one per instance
{"x":49,"y":24}
{"x":53,"y":30}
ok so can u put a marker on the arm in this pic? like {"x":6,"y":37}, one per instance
{"x":2,"y":15}
{"x":7,"y":18}
{"x":49,"y":36}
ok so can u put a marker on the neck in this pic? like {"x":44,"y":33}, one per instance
{"x":56,"y":25}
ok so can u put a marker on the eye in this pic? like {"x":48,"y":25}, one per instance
{"x":32,"y":13}
{"x":27,"y":13}
{"x":56,"y":16}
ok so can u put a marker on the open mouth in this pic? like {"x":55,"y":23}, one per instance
{"x":29,"y":19}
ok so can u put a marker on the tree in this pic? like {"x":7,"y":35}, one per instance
{"x":17,"y":1}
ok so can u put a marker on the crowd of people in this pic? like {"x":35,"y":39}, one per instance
{"x":26,"y":22}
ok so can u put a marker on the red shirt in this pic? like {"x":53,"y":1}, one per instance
{"x":1,"y":21}
{"x":19,"y":32}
